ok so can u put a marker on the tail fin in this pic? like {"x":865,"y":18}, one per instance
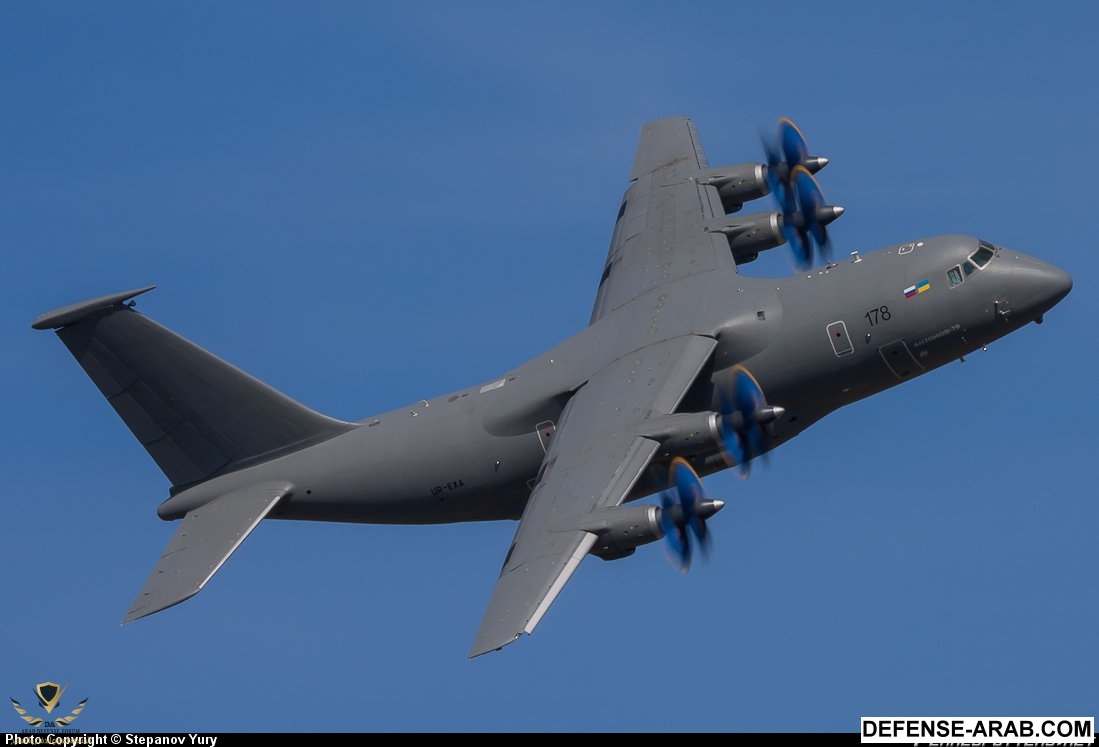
{"x":195,"y":414}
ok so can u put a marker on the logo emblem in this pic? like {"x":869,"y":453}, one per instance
{"x":49,"y":697}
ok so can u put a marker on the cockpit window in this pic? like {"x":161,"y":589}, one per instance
{"x":970,"y":268}
{"x":954,"y":275}
{"x":984,"y":255}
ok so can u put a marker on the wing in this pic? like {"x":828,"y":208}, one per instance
{"x":594,"y":459}
{"x":660,"y":233}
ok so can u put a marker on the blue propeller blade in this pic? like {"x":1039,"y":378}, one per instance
{"x":797,"y":194}
{"x":679,"y":513}
{"x":792,"y":143}
{"x":745,"y":415}
{"x":679,"y":544}
{"x":810,"y":200}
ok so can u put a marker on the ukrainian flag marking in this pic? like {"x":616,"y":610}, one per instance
{"x":918,"y":288}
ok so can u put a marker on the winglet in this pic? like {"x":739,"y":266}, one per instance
{"x":71,"y":314}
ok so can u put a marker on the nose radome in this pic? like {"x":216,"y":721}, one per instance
{"x":1040,"y":284}
{"x":1061,"y":282}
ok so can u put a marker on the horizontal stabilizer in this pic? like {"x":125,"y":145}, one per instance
{"x":77,"y":311}
{"x":206,"y":538}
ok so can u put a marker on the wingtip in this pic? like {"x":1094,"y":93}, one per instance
{"x":144,"y":610}
{"x":480,"y":648}
{"x":132,"y":615}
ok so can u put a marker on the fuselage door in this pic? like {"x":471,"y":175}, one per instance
{"x":841,"y":342}
{"x":545,"y":431}
{"x":899,"y":359}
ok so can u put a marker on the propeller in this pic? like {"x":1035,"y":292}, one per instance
{"x":684,"y":509}
{"x":746,"y":419}
{"x":797,"y":194}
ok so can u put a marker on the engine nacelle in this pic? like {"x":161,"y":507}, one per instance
{"x":622,"y":529}
{"x":737,"y":184}
{"x":750,"y":234}
{"x":685,"y":434}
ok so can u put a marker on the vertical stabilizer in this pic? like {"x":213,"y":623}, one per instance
{"x":195,"y":414}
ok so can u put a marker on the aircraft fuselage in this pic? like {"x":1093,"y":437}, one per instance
{"x":814,"y":342}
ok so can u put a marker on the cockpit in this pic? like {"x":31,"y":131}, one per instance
{"x":975,"y":262}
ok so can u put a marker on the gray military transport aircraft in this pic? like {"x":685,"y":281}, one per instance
{"x":687,"y":368}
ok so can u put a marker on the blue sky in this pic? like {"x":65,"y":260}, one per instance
{"x":366,"y":204}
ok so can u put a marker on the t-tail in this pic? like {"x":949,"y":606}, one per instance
{"x":198,"y":417}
